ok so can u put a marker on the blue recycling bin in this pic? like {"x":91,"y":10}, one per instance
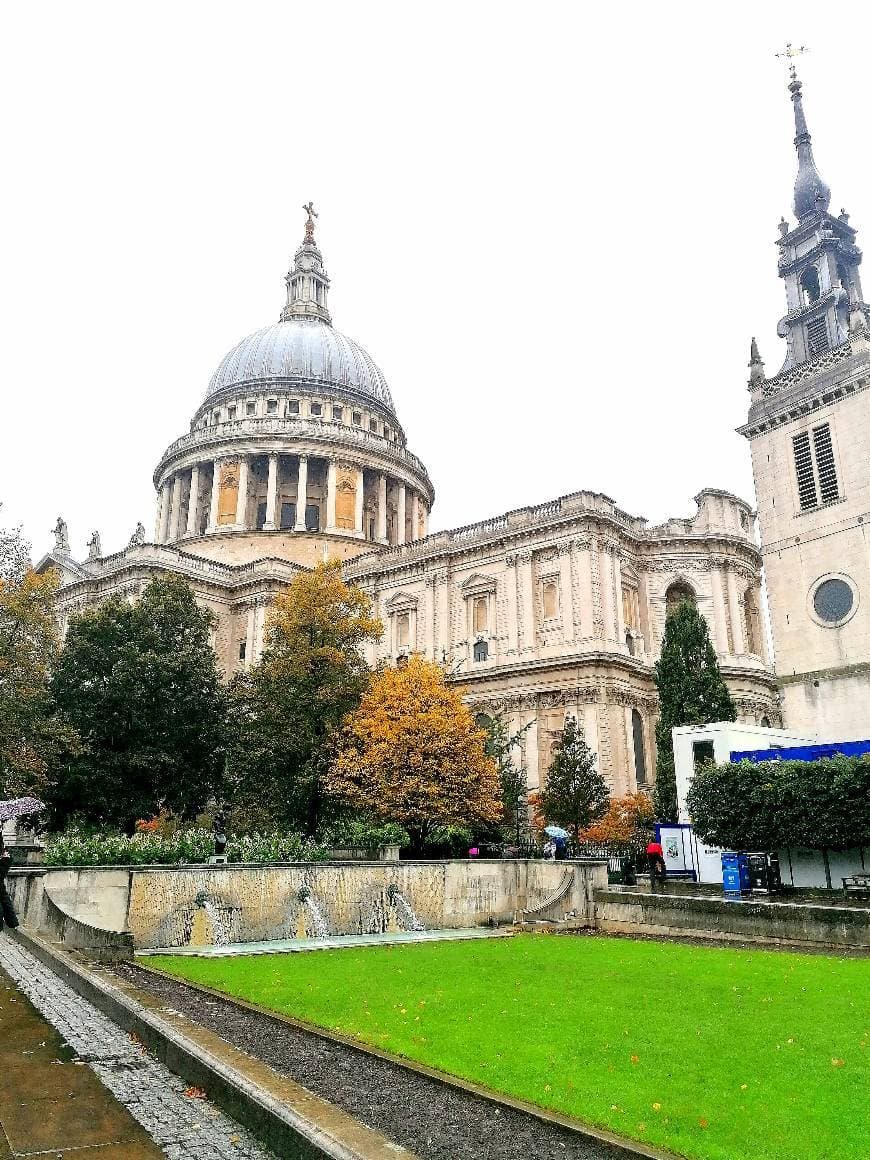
{"x":735,"y":874}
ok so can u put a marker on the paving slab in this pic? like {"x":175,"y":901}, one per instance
{"x":74,"y":1085}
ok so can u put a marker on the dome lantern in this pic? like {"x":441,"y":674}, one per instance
{"x":307,"y":280}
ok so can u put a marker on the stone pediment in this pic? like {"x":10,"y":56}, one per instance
{"x":478,"y":582}
{"x":400,"y":601}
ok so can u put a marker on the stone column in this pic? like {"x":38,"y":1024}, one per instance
{"x":175,"y":518}
{"x":192,"y":528}
{"x":162,"y":508}
{"x":719,"y":612}
{"x":583,"y":613}
{"x":510,"y":586}
{"x":423,"y":527}
{"x":251,"y":637}
{"x":242,"y":501}
{"x":567,"y":593}
{"x":358,"y":508}
{"x":381,"y":529}
{"x":605,"y":564}
{"x":331,"y":477}
{"x":734,"y":610}
{"x":400,"y":515}
{"x":415,"y":514}
{"x":301,"y":494}
{"x":617,"y":598}
{"x":271,"y":493}
{"x":431,"y":596}
{"x":527,"y":590}
{"x":215,"y":497}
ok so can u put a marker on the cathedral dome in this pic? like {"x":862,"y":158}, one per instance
{"x":302,"y":348}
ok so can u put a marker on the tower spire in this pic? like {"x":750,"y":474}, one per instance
{"x":811,"y":194}
{"x":307,"y":280}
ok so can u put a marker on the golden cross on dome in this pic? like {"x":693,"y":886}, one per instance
{"x":789,"y":54}
{"x":309,"y":225}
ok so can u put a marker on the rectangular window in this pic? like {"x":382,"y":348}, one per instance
{"x":357,"y":419}
{"x":312,"y":517}
{"x":403,"y":629}
{"x":803,"y":462}
{"x":338,"y":414}
{"x":216,"y":417}
{"x":481,"y":614}
{"x":825,"y":466}
{"x":817,"y":337}
{"x":815,"y":467}
{"x":261,"y":515}
{"x":250,"y":408}
{"x":316,"y":409}
{"x":272,"y":407}
{"x":243,"y":648}
{"x":231,"y":413}
{"x":288,"y":515}
{"x":293,"y":407}
{"x":373,"y":425}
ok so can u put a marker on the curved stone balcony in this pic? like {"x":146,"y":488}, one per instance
{"x":277,"y":434}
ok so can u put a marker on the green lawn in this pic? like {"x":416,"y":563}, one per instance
{"x":712,"y":1052}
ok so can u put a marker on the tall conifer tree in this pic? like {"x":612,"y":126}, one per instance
{"x":691,"y":692}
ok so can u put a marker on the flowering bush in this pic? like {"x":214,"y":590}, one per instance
{"x":77,"y":848}
{"x":363,"y":834}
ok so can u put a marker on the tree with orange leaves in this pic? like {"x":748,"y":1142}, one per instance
{"x":30,"y":733}
{"x":627,"y":819}
{"x":412,"y":754}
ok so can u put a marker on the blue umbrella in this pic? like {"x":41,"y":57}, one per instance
{"x":556,"y":832}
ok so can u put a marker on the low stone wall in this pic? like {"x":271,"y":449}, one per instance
{"x":797,"y":924}
{"x":200,"y":905}
{"x":75,"y":908}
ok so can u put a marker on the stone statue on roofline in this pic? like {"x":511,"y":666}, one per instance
{"x":61,"y":536}
{"x":95,"y":548}
{"x":138,"y":536}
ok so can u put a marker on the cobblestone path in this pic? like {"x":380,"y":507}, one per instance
{"x":184,"y":1128}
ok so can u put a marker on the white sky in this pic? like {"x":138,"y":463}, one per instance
{"x":551,"y":224}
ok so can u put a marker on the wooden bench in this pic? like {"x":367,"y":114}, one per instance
{"x":857,"y":883}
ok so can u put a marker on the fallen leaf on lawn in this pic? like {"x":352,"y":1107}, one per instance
{"x":704,"y":1123}
{"x":744,"y":1086}
{"x":657,"y":1107}
{"x":194,"y":1093}
{"x":635,"y":1059}
{"x":838,"y":1062}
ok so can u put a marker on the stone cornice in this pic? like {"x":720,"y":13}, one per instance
{"x":809,"y":387}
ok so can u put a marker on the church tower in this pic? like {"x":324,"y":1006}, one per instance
{"x":809,"y":434}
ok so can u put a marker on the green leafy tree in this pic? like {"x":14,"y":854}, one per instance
{"x":501,"y":745}
{"x":140,"y":685}
{"x":576,"y":793}
{"x":691,"y":692}
{"x":289,"y":706}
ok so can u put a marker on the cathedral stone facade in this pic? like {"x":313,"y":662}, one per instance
{"x":296,"y":454}
{"x":809,"y":432}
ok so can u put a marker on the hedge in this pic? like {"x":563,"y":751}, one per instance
{"x":76,"y":848}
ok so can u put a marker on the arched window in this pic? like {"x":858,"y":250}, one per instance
{"x":677,"y":594}
{"x":810,"y":285}
{"x":639,"y":747}
{"x":481,"y":650}
{"x":764,"y":722}
{"x":629,"y":643}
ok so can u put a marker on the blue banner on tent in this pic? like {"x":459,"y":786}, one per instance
{"x":804,"y":752}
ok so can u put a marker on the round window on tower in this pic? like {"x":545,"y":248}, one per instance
{"x":833,"y":600}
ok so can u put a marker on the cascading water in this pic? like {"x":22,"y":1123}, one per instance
{"x":403,"y":908}
{"x":318,"y":918}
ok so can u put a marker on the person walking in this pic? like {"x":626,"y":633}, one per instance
{"x":656,"y":856}
{"x":7,"y":910}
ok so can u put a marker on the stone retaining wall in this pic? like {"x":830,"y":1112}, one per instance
{"x":623,"y":912}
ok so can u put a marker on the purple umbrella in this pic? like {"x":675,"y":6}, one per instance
{"x":19,"y":808}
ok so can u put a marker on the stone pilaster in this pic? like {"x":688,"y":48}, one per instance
{"x":720,"y":612}
{"x":175,"y":517}
{"x":735,"y":614}
{"x":331,"y":485}
{"x":415,"y":516}
{"x":358,"y":506}
{"x":215,"y":496}
{"x":400,"y":515}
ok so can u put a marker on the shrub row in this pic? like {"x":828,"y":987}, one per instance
{"x":770,"y":805}
{"x":75,"y":848}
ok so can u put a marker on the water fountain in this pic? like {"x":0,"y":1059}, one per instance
{"x":210,"y":923}
{"x":318,"y":918}
{"x":403,"y":908}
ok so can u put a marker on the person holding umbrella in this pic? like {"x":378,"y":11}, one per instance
{"x":9,"y":810}
{"x":560,"y":840}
